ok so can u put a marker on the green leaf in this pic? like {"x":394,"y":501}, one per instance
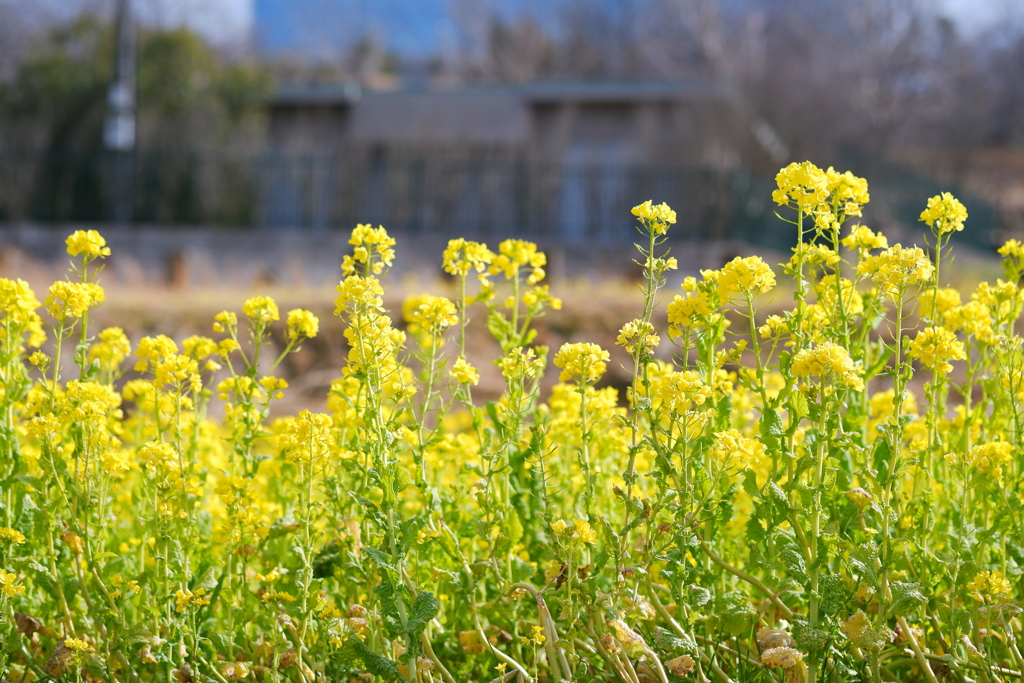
{"x":771,"y":430}
{"x":750,"y":483}
{"x":424,"y":608}
{"x":833,"y":593}
{"x":864,"y":558}
{"x":379,"y":558}
{"x":906,"y":599}
{"x":207,"y":579}
{"x":515,"y":527}
{"x":669,"y":642}
{"x":810,"y":640}
{"x":374,"y":664}
{"x":798,"y":407}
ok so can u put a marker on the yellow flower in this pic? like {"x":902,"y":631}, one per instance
{"x":18,"y":303}
{"x":974,"y":318}
{"x":896,"y":268}
{"x":308,"y":437}
{"x":583,"y":531}
{"x":801,"y":185}
{"x":72,"y":299}
{"x":828,"y":360}
{"x":516,"y":254}
{"x":111,"y":349}
{"x":987,"y":458}
{"x":186,"y":598}
{"x":520,"y":364}
{"x":944,"y":214}
{"x":847,"y":192}
{"x":373,"y":249}
{"x":358,"y":293}
{"x":582,"y":363}
{"x":749,"y":276}
{"x":731,"y":446}
{"x":87,"y":242}
{"x":464,"y":373}
{"x":302,"y":325}
{"x":1012,"y":249}
{"x":8,"y":585}
{"x":677,"y":392}
{"x":462,"y":256}
{"x":934,"y":347}
{"x":78,"y":646}
{"x":262,"y":310}
{"x":12,"y":536}
{"x":990,"y":586}
{"x":656,"y":219}
{"x":688,"y":311}
{"x":225,"y":321}
{"x":638,"y":334}
{"x":863,"y":238}
{"x":815,"y":254}
{"x":152,"y":350}
{"x":430,"y":314}
{"x":198,"y":347}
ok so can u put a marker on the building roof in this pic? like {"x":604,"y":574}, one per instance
{"x":560,"y":90}
{"x":440,"y":119}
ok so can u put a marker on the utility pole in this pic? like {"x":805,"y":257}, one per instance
{"x":119,"y":127}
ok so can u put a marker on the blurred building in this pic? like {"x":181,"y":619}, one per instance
{"x":565,"y":159}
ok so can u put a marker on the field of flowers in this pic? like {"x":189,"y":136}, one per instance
{"x":832,"y":493}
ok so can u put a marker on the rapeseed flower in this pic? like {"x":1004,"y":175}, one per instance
{"x":185,"y":598}
{"x":847,"y":192}
{"x":749,"y":276}
{"x":431,"y":315}
{"x":864,"y":239}
{"x":638,"y":334}
{"x":302,"y":324}
{"x":11,"y":536}
{"x":689,"y":311}
{"x":73,"y":299}
{"x":801,"y":185}
{"x":9,"y":585}
{"x":514,"y":255}
{"x":935,"y":347}
{"x":89,"y":243}
{"x":356,"y":293}
{"x":581,"y":363}
{"x":519,"y":364}
{"x":261,"y":310}
{"x":464,"y":373}
{"x":111,"y":349}
{"x":990,"y":587}
{"x":945,"y":214}
{"x":678,"y":392}
{"x":828,"y":360}
{"x":897,"y":268}
{"x":462,"y":256}
{"x":656,"y":219}
{"x":373,"y":250}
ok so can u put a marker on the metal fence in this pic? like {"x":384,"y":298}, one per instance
{"x":483,"y":196}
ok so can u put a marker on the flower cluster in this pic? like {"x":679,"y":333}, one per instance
{"x":945,"y":214}
{"x":828,"y":360}
{"x":749,"y":276}
{"x":656,"y":219}
{"x":581,"y":363}
{"x":374,"y":250}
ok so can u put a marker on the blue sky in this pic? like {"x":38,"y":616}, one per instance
{"x":231,"y":21}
